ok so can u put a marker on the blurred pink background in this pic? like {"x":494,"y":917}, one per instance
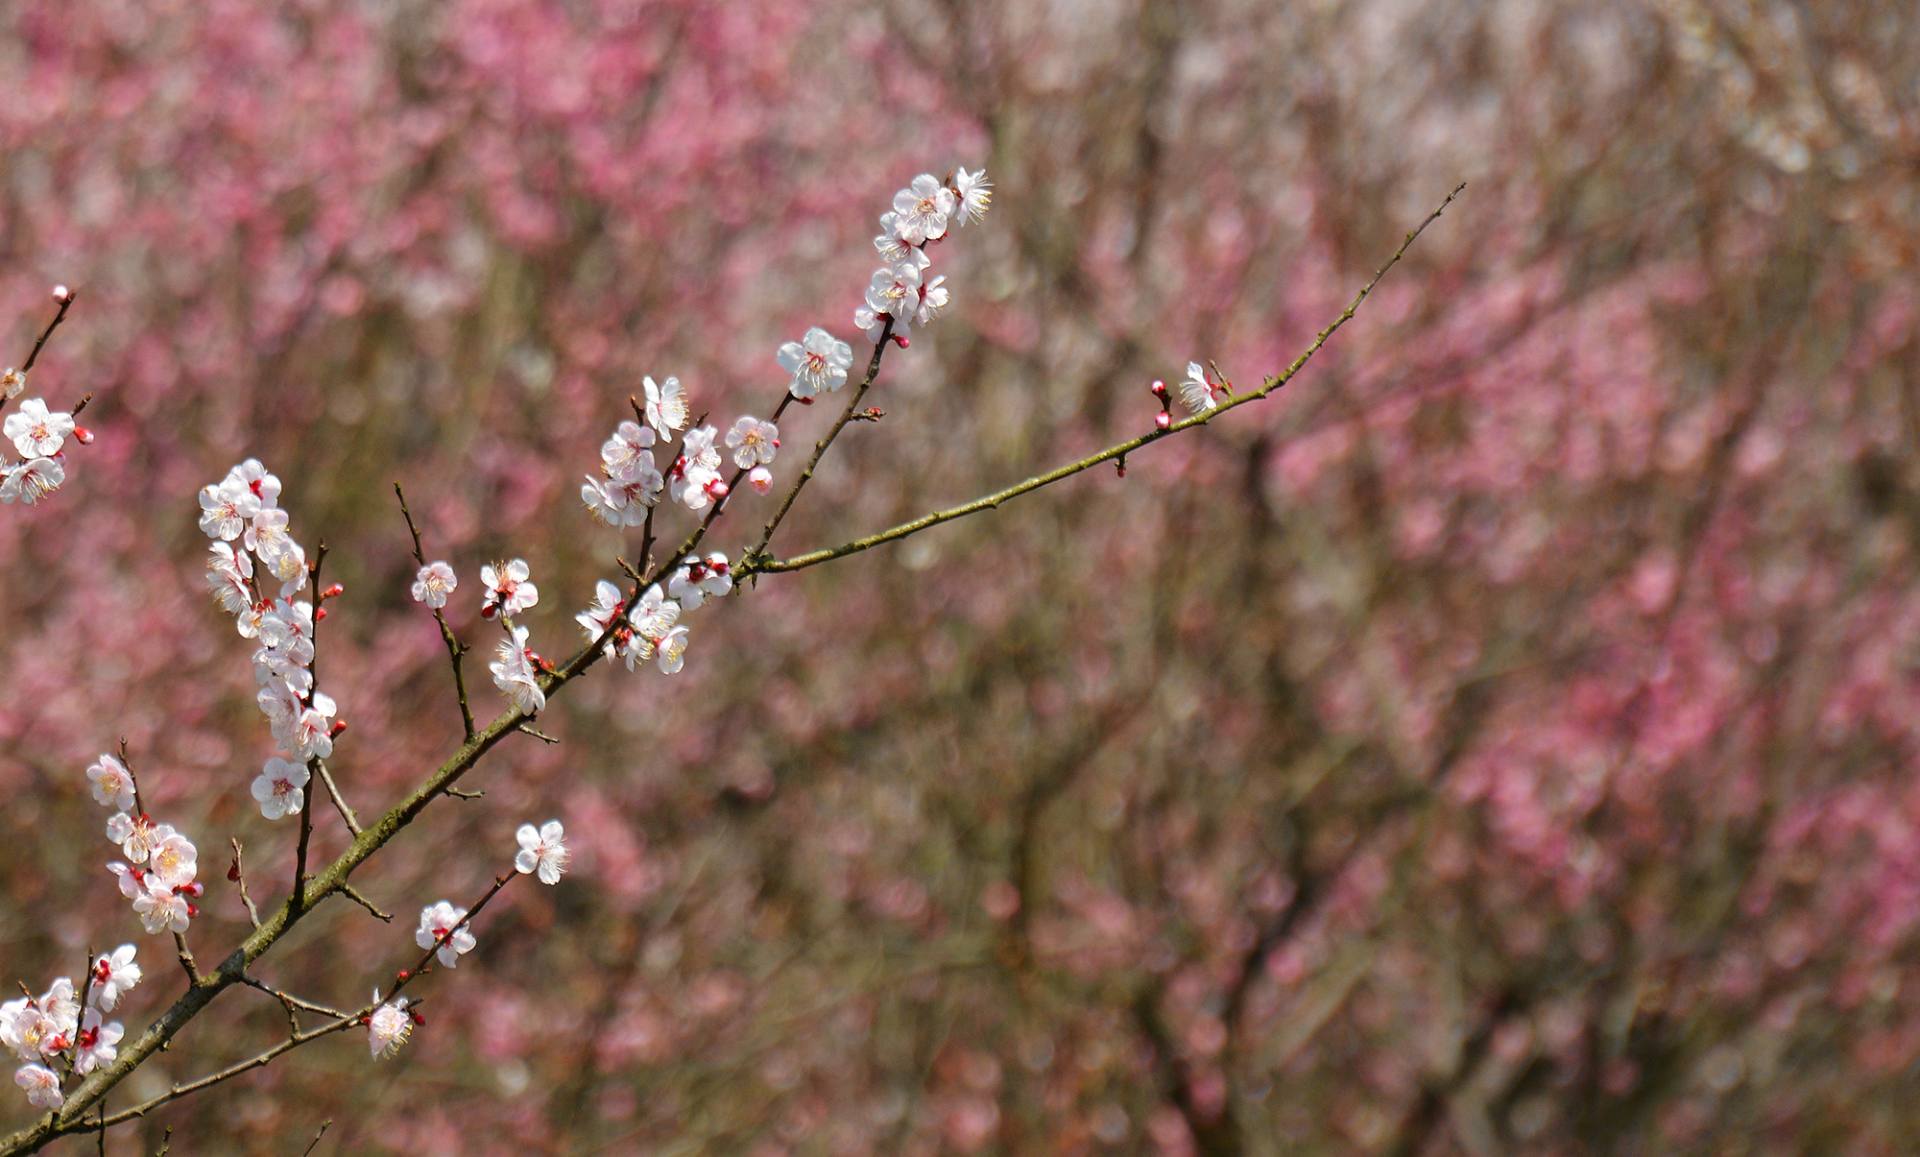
{"x":1501,"y":741}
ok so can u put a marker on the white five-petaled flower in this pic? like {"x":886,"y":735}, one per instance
{"x":27,"y":1029}
{"x":652,"y":618}
{"x":97,"y":1041}
{"x":30,"y":481}
{"x":696,"y":579}
{"x":629,"y":441}
{"x":174,"y":860}
{"x":113,"y":975}
{"x":312,"y":732}
{"x":267,"y":537}
{"x":508,"y":590}
{"x":607,"y":605}
{"x":280,"y":788}
{"x":42,"y":1086}
{"x":226,"y":508}
{"x":628,"y":490}
{"x":666,"y":405}
{"x":388,"y":1027}
{"x":136,"y":835}
{"x":112,"y":786}
{"x":256,"y":479}
{"x":818,"y":361}
{"x":753,"y":442}
{"x":895,"y":290}
{"x":921,"y":209}
{"x":160,"y":908}
{"x":1196,"y":393}
{"x":542,"y":850}
{"x":514,"y":674}
{"x":975,"y":194}
{"x":36,"y":431}
{"x":888,"y":243}
{"x":434,"y":583}
{"x":670,"y":651}
{"x":441,"y":929}
{"x":761,"y":479}
{"x":933,"y":301}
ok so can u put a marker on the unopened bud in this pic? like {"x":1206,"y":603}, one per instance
{"x":333,"y":592}
{"x":339,"y":725}
{"x":900,"y":340}
{"x":83,"y":435}
{"x":320,"y":614}
{"x":62,"y":294}
{"x":233,"y":871}
{"x":761,"y":479}
{"x":418,"y":1017}
{"x":1162,"y":420}
{"x":717,"y":488}
{"x":1159,"y":388}
{"x":403,"y":974}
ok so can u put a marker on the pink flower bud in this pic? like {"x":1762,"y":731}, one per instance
{"x":1162,"y":420}
{"x":901,"y":340}
{"x":761,"y":479}
{"x":83,"y":435}
{"x":1159,"y":388}
{"x":62,"y":294}
{"x":717,"y":488}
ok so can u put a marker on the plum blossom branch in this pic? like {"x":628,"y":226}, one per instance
{"x":755,"y":563}
{"x":896,"y":299}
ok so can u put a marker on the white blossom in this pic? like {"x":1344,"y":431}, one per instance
{"x":975,"y":194}
{"x":694,"y":481}
{"x":514,"y":674}
{"x":30,"y":481}
{"x":753,"y":442}
{"x":629,"y":441}
{"x":696,"y":579}
{"x":42,"y":1086}
{"x":921,"y":210}
{"x":933,"y":301}
{"x":542,"y":850}
{"x":761,"y":479}
{"x":434,"y":582}
{"x":256,"y":480}
{"x":136,"y":835}
{"x":228,"y":572}
{"x":97,"y":1043}
{"x":666,"y":405}
{"x":388,"y":1027}
{"x":12,"y":383}
{"x":36,"y":431}
{"x":113,"y":975}
{"x":1195,"y":392}
{"x":112,"y":785}
{"x":818,"y":361}
{"x":508,"y":590}
{"x":437,"y":931}
{"x":174,"y":861}
{"x":280,"y":788}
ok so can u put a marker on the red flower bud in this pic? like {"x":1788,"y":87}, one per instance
{"x":320,"y":615}
{"x":83,"y":435}
{"x":339,"y":725}
{"x":333,"y":592}
{"x":1159,"y":388}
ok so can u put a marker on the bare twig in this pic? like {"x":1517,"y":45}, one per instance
{"x":238,"y":874}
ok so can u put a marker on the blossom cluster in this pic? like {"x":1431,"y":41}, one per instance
{"x":902,"y":293}
{"x":39,"y":436}
{"x":159,"y":872}
{"x":62,"y":1025}
{"x":242,"y":514}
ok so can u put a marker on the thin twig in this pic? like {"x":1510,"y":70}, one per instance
{"x":353,"y":893}
{"x":239,"y":876}
{"x":756,"y":563}
{"x":315,"y":1143}
{"x":455,"y":648}
{"x":33,"y":355}
{"x":339,"y":801}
